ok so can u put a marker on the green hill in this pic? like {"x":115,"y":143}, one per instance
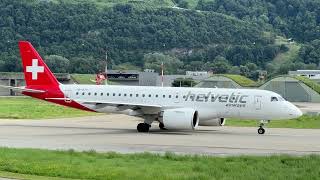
{"x":193,"y":31}
{"x":111,"y":3}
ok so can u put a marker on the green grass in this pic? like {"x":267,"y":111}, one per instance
{"x":5,"y":174}
{"x":87,"y":79}
{"x":290,"y":55}
{"x":28,"y":108}
{"x":92,"y":165}
{"x":303,"y":122}
{"x":313,"y":85}
{"x":241,"y":80}
{"x":84,"y":78}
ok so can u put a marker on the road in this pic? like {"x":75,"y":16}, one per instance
{"x":118,"y":133}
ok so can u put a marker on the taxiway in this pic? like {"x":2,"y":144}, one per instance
{"x":118,"y":133}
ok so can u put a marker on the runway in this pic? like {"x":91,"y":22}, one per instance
{"x":118,"y":133}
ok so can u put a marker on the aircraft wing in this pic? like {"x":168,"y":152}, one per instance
{"x":121,"y":105}
{"x":22,"y":89}
{"x":111,"y":103}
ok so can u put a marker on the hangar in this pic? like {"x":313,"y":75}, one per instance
{"x":219,"y":81}
{"x":292,"y":89}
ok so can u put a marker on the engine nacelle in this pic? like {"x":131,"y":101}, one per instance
{"x":180,"y":118}
{"x":213,"y":122}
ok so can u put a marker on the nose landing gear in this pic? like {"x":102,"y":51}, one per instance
{"x":261,"y":130}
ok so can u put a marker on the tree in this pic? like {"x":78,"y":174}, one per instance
{"x":196,"y":65}
{"x":244,"y":71}
{"x":183,"y":4}
{"x":234,"y":70}
{"x":84,"y":65}
{"x":219,"y":66}
{"x":57,"y":64}
{"x":154,"y":61}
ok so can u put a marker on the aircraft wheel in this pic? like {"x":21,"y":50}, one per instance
{"x":143,"y":127}
{"x":261,"y":130}
{"x":161,"y":126}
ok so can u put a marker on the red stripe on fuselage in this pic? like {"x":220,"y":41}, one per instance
{"x":55,"y":93}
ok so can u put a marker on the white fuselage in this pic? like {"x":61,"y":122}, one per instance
{"x":209,"y":102}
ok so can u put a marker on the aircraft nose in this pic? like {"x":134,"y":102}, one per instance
{"x":295,"y":112}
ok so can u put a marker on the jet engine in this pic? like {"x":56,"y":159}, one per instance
{"x":180,"y":118}
{"x":213,"y":122}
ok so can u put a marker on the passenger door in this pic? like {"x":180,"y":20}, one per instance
{"x":257,"y":102}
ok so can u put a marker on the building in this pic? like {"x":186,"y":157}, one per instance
{"x":149,"y":77}
{"x":195,"y":75}
{"x":218,"y":81}
{"x":292,"y":89}
{"x":17,"y":79}
{"x":133,"y":77}
{"x":311,"y":74}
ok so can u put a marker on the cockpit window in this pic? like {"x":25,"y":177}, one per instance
{"x":274,"y":99}
{"x":281,"y":98}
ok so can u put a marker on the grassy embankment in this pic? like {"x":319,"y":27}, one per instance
{"x":92,"y":165}
{"x":28,"y":108}
{"x":313,"y":85}
{"x":303,"y":122}
{"x":290,"y":55}
{"x":241,"y":80}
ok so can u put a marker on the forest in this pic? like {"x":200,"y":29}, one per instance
{"x":223,"y":36}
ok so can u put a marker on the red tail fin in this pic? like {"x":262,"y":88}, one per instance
{"x":36,"y":72}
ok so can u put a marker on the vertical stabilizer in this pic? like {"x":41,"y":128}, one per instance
{"x":36,"y":72}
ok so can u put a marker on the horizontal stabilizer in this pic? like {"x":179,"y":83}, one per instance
{"x":22,"y":89}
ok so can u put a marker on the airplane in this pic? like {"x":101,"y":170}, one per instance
{"x":175,"y":108}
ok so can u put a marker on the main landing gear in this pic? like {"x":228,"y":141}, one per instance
{"x":143,"y":127}
{"x":161,"y":126}
{"x":261,"y":130}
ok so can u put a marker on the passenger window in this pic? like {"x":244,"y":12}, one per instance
{"x":156,"y":95}
{"x":125,"y":94}
{"x":119,"y":94}
{"x":169,"y":96}
{"x":149,"y":95}
{"x":143,"y":95}
{"x":107,"y":94}
{"x":164,"y":96}
{"x":101,"y":94}
{"x":177,"y":96}
{"x":137,"y":95}
{"x":95,"y":94}
{"x":130,"y":95}
{"x":89,"y":94}
{"x":114,"y":94}
{"x":77,"y":93}
{"x":274,"y":99}
{"x":83,"y":93}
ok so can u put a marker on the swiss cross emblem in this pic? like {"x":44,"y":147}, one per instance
{"x":35,"y":69}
